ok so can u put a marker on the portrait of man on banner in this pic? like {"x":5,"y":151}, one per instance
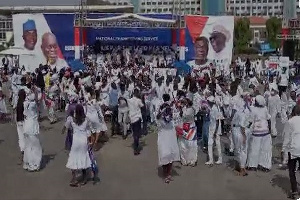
{"x":29,"y":34}
{"x":50,"y":51}
{"x":201,"y":64}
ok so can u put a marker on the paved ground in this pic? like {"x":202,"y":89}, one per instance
{"x":124,"y":176}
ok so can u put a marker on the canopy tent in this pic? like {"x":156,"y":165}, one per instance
{"x":133,"y":16}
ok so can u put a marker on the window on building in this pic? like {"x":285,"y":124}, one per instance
{"x":2,"y":36}
{"x":149,"y":10}
{"x":264,"y":1}
{"x":143,"y":10}
{"x":159,"y":10}
{"x":165,"y":3}
{"x":149,"y":3}
{"x":159,"y":3}
{"x":143,"y":3}
{"x":243,"y":8}
{"x":193,"y":2}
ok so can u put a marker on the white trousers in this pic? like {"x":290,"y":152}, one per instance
{"x":240,"y":149}
{"x":21,"y":137}
{"x":260,"y":151}
{"x":273,"y":124}
{"x":123,"y":119}
{"x":231,"y":148}
{"x":211,"y":141}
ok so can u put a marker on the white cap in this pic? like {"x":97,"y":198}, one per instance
{"x":260,"y":100}
{"x":76,"y":74}
{"x":211,"y":99}
{"x":226,"y":100}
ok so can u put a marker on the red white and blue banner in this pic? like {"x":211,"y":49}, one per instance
{"x":53,"y":38}
{"x":216,"y":31}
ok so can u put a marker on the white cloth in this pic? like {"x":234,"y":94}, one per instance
{"x":95,"y":116}
{"x":79,"y":156}
{"x":134,"y":105}
{"x":32,"y":153}
{"x":168,"y":150}
{"x":21,"y":137}
{"x":3,"y":108}
{"x":291,"y":142}
{"x":260,"y":151}
{"x":274,"y":107}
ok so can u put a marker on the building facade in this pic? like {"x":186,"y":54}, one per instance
{"x":170,"y":6}
{"x":214,"y":7}
{"x":255,"y":7}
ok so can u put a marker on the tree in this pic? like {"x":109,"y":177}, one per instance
{"x":273,"y":26}
{"x":242,"y":34}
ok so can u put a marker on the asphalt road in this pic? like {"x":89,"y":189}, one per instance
{"x":125,"y":176}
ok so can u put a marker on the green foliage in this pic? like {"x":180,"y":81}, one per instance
{"x":273,"y":29}
{"x":242,"y":34}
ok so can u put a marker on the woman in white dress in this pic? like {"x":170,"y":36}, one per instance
{"x":260,"y":149}
{"x":168,"y":150}
{"x":79,"y":156}
{"x":188,"y":139}
{"x":95,"y":116}
{"x":33,"y":150}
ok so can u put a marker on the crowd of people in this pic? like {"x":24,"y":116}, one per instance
{"x":121,"y":92}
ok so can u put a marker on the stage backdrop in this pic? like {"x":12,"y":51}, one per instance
{"x":61,"y":26}
{"x":211,"y":27}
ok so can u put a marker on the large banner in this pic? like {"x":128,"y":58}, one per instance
{"x":209,"y":38}
{"x":38,"y":35}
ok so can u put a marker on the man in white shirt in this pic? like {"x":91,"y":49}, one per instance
{"x":291,"y":146}
{"x":135,"y":115}
{"x":123,"y":109}
{"x":283,"y":81}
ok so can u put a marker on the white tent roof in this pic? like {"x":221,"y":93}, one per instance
{"x":130,"y":15}
{"x":16,"y":51}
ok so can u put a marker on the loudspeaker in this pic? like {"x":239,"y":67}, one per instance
{"x":289,"y":49}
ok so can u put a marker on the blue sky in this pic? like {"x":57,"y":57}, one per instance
{"x":37,"y":2}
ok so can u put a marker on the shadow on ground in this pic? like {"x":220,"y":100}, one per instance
{"x":173,"y":173}
{"x":282,"y":182}
{"x":46,"y":159}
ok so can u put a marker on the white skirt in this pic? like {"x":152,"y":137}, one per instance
{"x":97,"y":125}
{"x":32,"y":153}
{"x":3,"y":109}
{"x":168,"y":150}
{"x":188,"y":151}
{"x":79,"y":155}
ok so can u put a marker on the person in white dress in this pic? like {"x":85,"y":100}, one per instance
{"x":96,"y":118}
{"x":79,"y":158}
{"x":168,"y":151}
{"x":214,"y":132}
{"x":33,"y":150}
{"x":188,"y":140}
{"x":260,"y":144}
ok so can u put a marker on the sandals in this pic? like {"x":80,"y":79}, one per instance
{"x":168,"y":179}
{"x":74,"y":183}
